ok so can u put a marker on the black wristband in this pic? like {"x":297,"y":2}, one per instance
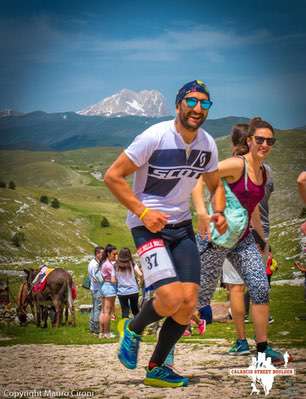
{"x":221,"y":212}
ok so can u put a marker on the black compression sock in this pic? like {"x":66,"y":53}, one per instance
{"x":261,"y":346}
{"x":170,"y":333}
{"x":146,"y":316}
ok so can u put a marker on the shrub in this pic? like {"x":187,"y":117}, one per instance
{"x":104,"y":222}
{"x":44,"y":199}
{"x":18,"y":239}
{"x":55,"y":203}
{"x":2,"y":184}
{"x":12,"y":185}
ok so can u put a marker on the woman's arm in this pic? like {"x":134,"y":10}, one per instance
{"x":231,"y":169}
{"x":199,"y":204}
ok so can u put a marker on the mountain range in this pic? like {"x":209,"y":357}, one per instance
{"x":113,"y":121}
{"x":65,"y":131}
{"x":127,"y":102}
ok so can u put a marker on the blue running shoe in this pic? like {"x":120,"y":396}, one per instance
{"x":128,"y":345}
{"x":165,"y":377}
{"x":276,"y":357}
{"x":240,"y":348}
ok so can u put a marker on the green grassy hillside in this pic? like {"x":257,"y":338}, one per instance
{"x":75,"y":227}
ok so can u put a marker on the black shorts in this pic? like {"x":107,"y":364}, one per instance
{"x":181,"y":246}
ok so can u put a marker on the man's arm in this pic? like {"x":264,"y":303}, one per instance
{"x":115,"y":179}
{"x":301,"y":181}
{"x":216,"y":189}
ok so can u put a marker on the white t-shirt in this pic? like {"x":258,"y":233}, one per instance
{"x":166,"y":176}
{"x":92,"y":269}
{"x":126,"y":282}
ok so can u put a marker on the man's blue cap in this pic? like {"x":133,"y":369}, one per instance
{"x":195,"y":85}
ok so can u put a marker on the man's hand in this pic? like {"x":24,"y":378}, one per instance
{"x":203,"y":226}
{"x":220,"y":222}
{"x":155,"y":221}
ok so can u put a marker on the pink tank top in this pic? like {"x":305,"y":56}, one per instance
{"x":248,"y":193}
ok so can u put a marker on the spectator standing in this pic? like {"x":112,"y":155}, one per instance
{"x":95,"y":289}
{"x":127,"y":286}
{"x":109,"y":290}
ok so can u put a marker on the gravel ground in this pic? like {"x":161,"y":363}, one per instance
{"x":96,"y":370}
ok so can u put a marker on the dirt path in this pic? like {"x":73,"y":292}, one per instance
{"x":94,"y":368}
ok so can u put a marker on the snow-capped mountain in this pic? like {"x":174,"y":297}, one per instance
{"x":128,"y":102}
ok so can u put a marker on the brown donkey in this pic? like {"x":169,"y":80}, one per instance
{"x":57,"y":292}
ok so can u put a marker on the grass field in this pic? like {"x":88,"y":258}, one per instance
{"x":286,"y":304}
{"x":74,"y":228}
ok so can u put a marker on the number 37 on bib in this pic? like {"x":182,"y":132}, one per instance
{"x":155,"y":261}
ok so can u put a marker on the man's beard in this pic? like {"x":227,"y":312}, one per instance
{"x":183,"y":117}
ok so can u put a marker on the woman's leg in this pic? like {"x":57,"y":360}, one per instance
{"x":109,"y":303}
{"x":211,"y":265}
{"x":237,"y":308}
{"x":101,"y":316}
{"x":124,"y":303}
{"x":134,"y":303}
{"x":248,"y":262}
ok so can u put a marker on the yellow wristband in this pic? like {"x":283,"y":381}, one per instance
{"x":143,"y":214}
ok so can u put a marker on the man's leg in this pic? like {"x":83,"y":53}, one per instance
{"x":174,"y":325}
{"x":95,"y":312}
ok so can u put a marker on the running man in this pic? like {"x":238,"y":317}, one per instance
{"x":167,"y":159}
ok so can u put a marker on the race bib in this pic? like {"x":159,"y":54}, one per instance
{"x":155,"y":262}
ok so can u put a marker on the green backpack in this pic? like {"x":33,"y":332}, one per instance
{"x":236,"y":216}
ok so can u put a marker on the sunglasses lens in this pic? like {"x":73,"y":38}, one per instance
{"x":191,"y":102}
{"x":206,"y":104}
{"x":260,"y":140}
{"x":271,"y":141}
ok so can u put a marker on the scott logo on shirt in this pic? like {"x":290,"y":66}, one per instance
{"x":172,"y":173}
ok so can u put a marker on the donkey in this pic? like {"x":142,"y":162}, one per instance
{"x":57,"y":292}
{"x":24,"y":299}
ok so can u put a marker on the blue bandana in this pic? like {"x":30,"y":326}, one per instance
{"x":195,"y":85}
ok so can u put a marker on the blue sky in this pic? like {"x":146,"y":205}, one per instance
{"x":66,"y":55}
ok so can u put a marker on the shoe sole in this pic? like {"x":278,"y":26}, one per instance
{"x":243,"y":353}
{"x":154,"y":382}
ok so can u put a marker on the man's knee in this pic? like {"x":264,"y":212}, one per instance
{"x":170,"y":299}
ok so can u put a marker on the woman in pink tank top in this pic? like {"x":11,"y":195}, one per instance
{"x":244,"y":256}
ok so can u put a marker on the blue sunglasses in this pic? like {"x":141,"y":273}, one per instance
{"x":192,"y":102}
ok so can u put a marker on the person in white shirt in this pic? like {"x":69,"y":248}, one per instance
{"x":95,"y":288}
{"x":167,"y":159}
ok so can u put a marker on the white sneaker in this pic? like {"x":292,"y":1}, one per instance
{"x":101,"y":336}
{"x":110,"y":335}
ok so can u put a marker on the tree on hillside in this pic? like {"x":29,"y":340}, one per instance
{"x":2,"y":184}
{"x":55,"y":203}
{"x":104,"y":222}
{"x":18,"y":239}
{"x":44,"y":199}
{"x":12,"y":185}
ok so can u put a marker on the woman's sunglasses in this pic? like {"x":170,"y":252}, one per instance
{"x":260,"y":140}
{"x":192,"y":102}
